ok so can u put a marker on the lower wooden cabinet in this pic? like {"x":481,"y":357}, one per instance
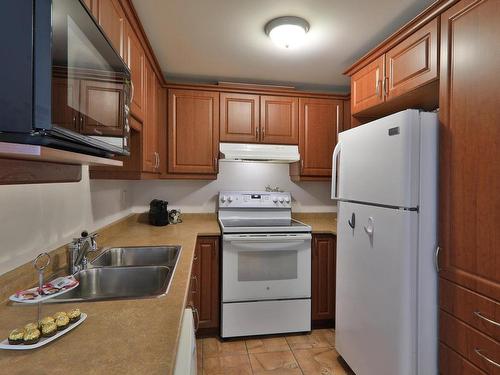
{"x":324,"y":250}
{"x":205,"y":283}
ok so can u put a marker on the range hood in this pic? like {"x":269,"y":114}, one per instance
{"x":259,"y":152}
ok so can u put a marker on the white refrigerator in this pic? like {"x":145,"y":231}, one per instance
{"x":385,"y":183}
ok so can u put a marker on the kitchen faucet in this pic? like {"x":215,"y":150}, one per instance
{"x":78,"y":250}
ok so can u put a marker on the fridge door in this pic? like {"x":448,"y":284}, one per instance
{"x":376,"y":325}
{"x":379,"y":161}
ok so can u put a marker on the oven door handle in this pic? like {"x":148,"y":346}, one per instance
{"x":268,"y":238}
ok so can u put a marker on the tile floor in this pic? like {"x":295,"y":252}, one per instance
{"x":311,"y":354}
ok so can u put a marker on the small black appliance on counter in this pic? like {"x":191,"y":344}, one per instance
{"x":158,"y":213}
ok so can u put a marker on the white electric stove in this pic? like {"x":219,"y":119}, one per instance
{"x":266,"y":265}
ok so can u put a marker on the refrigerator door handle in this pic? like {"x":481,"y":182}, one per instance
{"x":352,"y":221}
{"x":335,"y":155}
{"x":370,"y":228}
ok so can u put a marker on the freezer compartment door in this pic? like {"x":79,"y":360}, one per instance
{"x":266,"y":317}
{"x":379,"y":161}
{"x":376,"y":323}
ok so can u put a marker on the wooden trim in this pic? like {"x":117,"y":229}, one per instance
{"x":33,"y":172}
{"x":187,"y":176}
{"x":434,"y":10}
{"x":258,"y":90}
{"x":41,"y":153}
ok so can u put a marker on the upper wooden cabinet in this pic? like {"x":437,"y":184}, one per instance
{"x":92,"y":106}
{"x":402,"y":77}
{"x":239,"y":118}
{"x":279,"y":119}
{"x":320,"y":121}
{"x":136,"y":61}
{"x":150,"y":128}
{"x":366,"y":86}
{"x":112,"y":19}
{"x":101,"y":107}
{"x":193,"y":132}
{"x":469,"y":144}
{"x":413,"y":62}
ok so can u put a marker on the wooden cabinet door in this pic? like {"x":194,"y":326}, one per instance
{"x":93,"y":6}
{"x":205,"y":278}
{"x":413,"y":62}
{"x":323,"y":277}
{"x":136,"y":60}
{"x":65,"y":103}
{"x":101,"y":108}
{"x":469,"y":146}
{"x":319,"y":124}
{"x":366,"y":86}
{"x":112,"y":19}
{"x":193,"y":131}
{"x":239,"y":118}
{"x":150,"y":154}
{"x":279,"y":120}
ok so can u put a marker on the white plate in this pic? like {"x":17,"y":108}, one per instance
{"x":41,"y":299}
{"x":43,"y":340}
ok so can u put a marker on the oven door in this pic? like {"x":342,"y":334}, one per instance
{"x":266,"y":266}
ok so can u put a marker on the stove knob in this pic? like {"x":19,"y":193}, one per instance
{"x":230,"y":199}
{"x":287,"y":200}
{"x":281,"y":200}
{"x":223,"y":198}
{"x":275,"y":199}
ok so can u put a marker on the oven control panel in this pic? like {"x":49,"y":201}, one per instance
{"x":246,"y":199}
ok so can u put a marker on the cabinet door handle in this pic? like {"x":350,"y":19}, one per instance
{"x":196,"y":319}
{"x":194,"y":279}
{"x":338,"y":120}
{"x":257,"y":134}
{"x":386,"y":86}
{"x":481,"y":316}
{"x":216,"y":165}
{"x":132,"y":91}
{"x":263,"y":133}
{"x":436,"y":259}
{"x":490,"y":361}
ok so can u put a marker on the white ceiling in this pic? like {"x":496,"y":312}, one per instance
{"x":211,"y":40}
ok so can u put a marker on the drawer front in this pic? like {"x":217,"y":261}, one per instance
{"x":451,"y":363}
{"x":470,"y":343}
{"x":480,"y":312}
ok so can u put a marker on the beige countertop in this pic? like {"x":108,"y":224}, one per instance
{"x":130,"y":336}
{"x":118,"y":337}
{"x":321,"y":223}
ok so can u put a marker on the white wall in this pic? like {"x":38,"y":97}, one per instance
{"x":200,"y":196}
{"x":41,"y":217}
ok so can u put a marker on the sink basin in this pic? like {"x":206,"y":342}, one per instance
{"x":107,"y":283}
{"x":138,"y":256}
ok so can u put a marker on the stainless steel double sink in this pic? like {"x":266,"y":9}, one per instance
{"x":125,"y":273}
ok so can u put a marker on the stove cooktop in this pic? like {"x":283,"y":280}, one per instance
{"x":262,"y":226}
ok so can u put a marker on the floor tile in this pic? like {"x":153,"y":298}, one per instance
{"x":273,"y":344}
{"x":323,"y":338}
{"x":227,"y":365}
{"x":213,"y":347}
{"x":319,"y":361}
{"x":274,"y":363}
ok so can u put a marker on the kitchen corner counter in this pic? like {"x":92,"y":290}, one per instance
{"x":321,"y":223}
{"x":118,"y":337}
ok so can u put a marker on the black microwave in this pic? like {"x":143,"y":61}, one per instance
{"x":62,"y":85}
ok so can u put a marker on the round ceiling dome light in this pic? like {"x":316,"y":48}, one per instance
{"x":288,"y":31}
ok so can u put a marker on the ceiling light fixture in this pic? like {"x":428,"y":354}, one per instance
{"x":288,"y":31}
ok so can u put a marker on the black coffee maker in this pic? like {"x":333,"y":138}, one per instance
{"x":158,"y":213}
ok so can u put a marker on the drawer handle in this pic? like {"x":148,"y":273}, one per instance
{"x":478,"y":314}
{"x":478,"y":352}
